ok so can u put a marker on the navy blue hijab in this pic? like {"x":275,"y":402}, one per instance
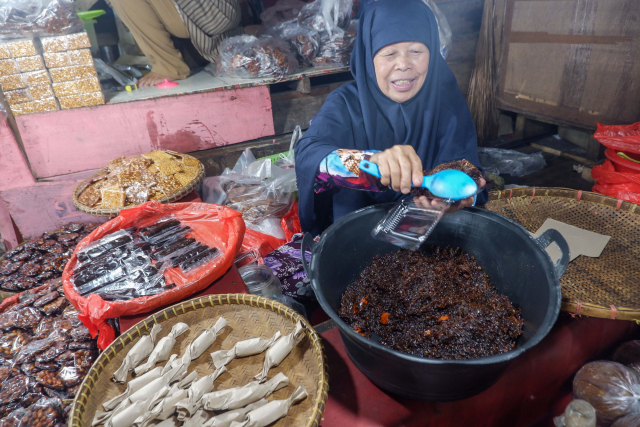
{"x":436,"y":121}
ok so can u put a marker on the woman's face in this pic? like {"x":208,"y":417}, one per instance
{"x":401,"y":69}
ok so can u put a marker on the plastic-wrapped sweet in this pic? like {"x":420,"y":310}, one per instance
{"x":326,"y":15}
{"x":38,"y":18}
{"x":303,"y":42}
{"x":611,"y":388}
{"x":251,"y":57}
{"x":282,"y":11}
{"x":336,"y":49}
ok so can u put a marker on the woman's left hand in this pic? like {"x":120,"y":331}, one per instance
{"x":464,"y":203}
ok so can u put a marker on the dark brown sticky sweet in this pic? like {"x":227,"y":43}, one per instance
{"x":438,"y":304}
{"x":29,"y":399}
{"x":41,"y":417}
{"x":13,"y":341}
{"x":85,"y":358}
{"x":460,"y":165}
{"x":47,"y":366}
{"x":87,"y":345}
{"x":81,"y":333}
{"x":5,"y":372}
{"x":29,"y":369}
{"x":46,"y":299}
{"x":55,"y":306}
{"x":13,"y":388}
{"x":68,"y":239}
{"x":71,"y":375}
{"x":53,"y":352}
{"x":27,"y":318}
{"x":50,"y":380}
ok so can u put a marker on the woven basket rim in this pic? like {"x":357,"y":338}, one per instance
{"x":184,"y":307}
{"x":110,"y":213}
{"x":573,"y":306}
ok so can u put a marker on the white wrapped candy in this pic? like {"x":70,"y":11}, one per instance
{"x":187,"y":407}
{"x":229,"y":417}
{"x":133,"y":386}
{"x":280,"y":350}
{"x":163,"y":349}
{"x":238,"y":397}
{"x":272,"y":411}
{"x":204,"y":340}
{"x":137,"y":354}
{"x":245,"y":348}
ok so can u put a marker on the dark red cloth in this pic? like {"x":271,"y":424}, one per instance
{"x":530,"y":388}
{"x":230,"y":283}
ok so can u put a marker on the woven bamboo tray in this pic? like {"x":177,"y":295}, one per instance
{"x":607,"y":286}
{"x":248,"y":316}
{"x":111,"y":213}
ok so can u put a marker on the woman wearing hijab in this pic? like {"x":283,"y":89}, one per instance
{"x":404,"y":112}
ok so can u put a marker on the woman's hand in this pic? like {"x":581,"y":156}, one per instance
{"x":426,"y":202}
{"x":399,"y":166}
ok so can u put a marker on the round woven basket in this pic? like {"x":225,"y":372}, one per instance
{"x":604,"y":287}
{"x":248,"y":316}
{"x":116,"y":211}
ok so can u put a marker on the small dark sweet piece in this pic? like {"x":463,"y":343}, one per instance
{"x":14,"y":252}
{"x":55,"y":306}
{"x":11,"y":342}
{"x":52,"y":352}
{"x":10,"y":267}
{"x":22,"y":256}
{"x":72,"y":391}
{"x":81,"y":333}
{"x":27,"y":318}
{"x":5,"y":372}
{"x":31,"y":269}
{"x":25,"y":283}
{"x":56,"y":394}
{"x":13,"y":389}
{"x":88,"y":345}
{"x":42,"y":416}
{"x":29,"y":369}
{"x":12,"y":419}
{"x":73,"y":227}
{"x":50,"y":380}
{"x":46,"y":299}
{"x":71,"y":375}
{"x":47,"y":366}
{"x":44,"y":329}
{"x":85,"y":358}
{"x":68,"y":239}
{"x":30,"y":398}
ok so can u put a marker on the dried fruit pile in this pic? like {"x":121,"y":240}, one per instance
{"x":45,"y":352}
{"x":438,"y":304}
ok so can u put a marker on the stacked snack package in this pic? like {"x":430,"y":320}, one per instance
{"x":75,"y":81}
{"x":24,"y":79}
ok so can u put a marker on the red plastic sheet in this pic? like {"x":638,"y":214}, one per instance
{"x":621,"y":185}
{"x":291,"y":222}
{"x":620,"y":137}
{"x":212,"y":225}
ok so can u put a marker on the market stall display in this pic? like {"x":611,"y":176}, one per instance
{"x":132,"y":244}
{"x":249,"y":57}
{"x":294,"y":390}
{"x":590,"y":286}
{"x":45,"y":351}
{"x":39,"y":260}
{"x":38,"y":17}
{"x":165,"y":176}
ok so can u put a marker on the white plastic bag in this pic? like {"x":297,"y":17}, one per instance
{"x":498,"y":161}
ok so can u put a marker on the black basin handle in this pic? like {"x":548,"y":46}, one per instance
{"x":307,"y":242}
{"x":553,"y":236}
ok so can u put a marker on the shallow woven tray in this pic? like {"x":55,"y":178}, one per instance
{"x":604,"y":287}
{"x":184,"y":191}
{"x":248,"y":316}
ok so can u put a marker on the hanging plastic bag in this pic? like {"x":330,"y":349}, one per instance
{"x":303,"y":42}
{"x":331,"y":16}
{"x":620,"y":137}
{"x":212,"y":225}
{"x":501,"y":162}
{"x":611,"y":388}
{"x":336,"y":49}
{"x":282,"y":11}
{"x":30,"y":18}
{"x":621,"y":185}
{"x":444,"y":30}
{"x":251,"y":57}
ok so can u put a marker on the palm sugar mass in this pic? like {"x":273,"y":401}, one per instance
{"x":437,"y":304}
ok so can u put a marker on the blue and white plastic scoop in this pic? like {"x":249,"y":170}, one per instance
{"x":448,"y":184}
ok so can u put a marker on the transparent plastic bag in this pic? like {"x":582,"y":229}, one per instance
{"x":303,"y":42}
{"x":336,"y":49}
{"x":611,"y":388}
{"x":251,"y":57}
{"x":578,"y":413}
{"x":331,"y":16}
{"x":444,"y":30}
{"x":628,"y":354}
{"x":501,"y":162}
{"x":282,"y":11}
{"x":631,"y":420}
{"x":29,"y":18}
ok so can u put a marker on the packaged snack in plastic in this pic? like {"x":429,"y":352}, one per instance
{"x":611,"y":388}
{"x":19,"y":18}
{"x":13,"y":388}
{"x":12,"y":342}
{"x":104,"y":245}
{"x":45,"y":413}
{"x":28,"y":318}
{"x":303,"y":42}
{"x":14,"y":418}
{"x":282,"y":11}
{"x":631,"y":420}
{"x":628,"y":354}
{"x":336,"y":49}
{"x":251,"y":57}
{"x":331,"y":16}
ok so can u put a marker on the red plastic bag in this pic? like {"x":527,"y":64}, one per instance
{"x":256,"y":245}
{"x":291,"y":222}
{"x":212,"y":225}
{"x":621,"y":185}
{"x":620,"y":137}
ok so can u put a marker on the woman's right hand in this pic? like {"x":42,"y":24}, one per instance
{"x":399,"y":166}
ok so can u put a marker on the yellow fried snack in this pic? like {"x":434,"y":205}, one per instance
{"x":128,"y":178}
{"x":113,"y":197}
{"x":190,"y":161}
{"x":168,"y":167}
{"x":191,"y":171}
{"x":158,"y":155}
{"x":168,"y":185}
{"x":183,"y":178}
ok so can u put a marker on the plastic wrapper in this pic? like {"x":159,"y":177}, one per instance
{"x":244,"y":348}
{"x":444,"y":30}
{"x":28,"y":318}
{"x":68,"y":58}
{"x":13,"y":388}
{"x":273,"y":411}
{"x":44,"y":413}
{"x":187,"y":407}
{"x":133,"y":386}
{"x":38,"y":18}
{"x":498,"y":161}
{"x":628,"y":354}
{"x":624,"y":138}
{"x":64,"y":43}
{"x":215,"y":226}
{"x":280,"y":350}
{"x":251,"y":57}
{"x":140,"y":351}
{"x":21,"y":48}
{"x":12,"y":342}
{"x":162,"y":350}
{"x":228,"y":418}
{"x":611,"y":388}
{"x":239,"y":397}
{"x":631,"y":420}
{"x":336,"y":49}
{"x":207,"y":337}
{"x":29,"y":351}
{"x":578,"y":413}
{"x":304,"y":43}
{"x":12,"y":82}
{"x":14,"y":418}
{"x":331,"y":16}
{"x":282,"y":11}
